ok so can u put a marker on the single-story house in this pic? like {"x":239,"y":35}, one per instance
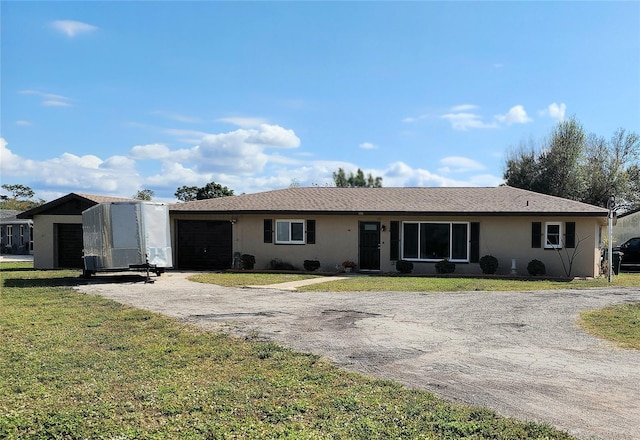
{"x":16,"y":234}
{"x":627,"y":226}
{"x":374,"y":227}
{"x":57,"y":230}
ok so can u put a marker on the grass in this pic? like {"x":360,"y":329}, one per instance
{"x":247,"y":279}
{"x":415,"y":284}
{"x":619,"y":324}
{"x":77,"y":366}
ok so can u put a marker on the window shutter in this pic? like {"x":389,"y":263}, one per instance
{"x":268,"y":230}
{"x":536,"y":235}
{"x":311,"y":232}
{"x":570,"y":239}
{"x":474,"y":257}
{"x":394,"y":230}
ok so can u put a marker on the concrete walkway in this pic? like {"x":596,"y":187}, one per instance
{"x":293,"y":285}
{"x":5,"y":258}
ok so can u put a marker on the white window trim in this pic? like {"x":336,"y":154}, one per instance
{"x":548,"y":245}
{"x":9,"y":235}
{"x":22,"y":235}
{"x":290,"y":241}
{"x":430,"y":260}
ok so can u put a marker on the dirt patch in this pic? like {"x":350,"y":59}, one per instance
{"x":519,"y":353}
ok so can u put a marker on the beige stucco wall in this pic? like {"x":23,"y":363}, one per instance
{"x":337,"y":239}
{"x":44,"y":239}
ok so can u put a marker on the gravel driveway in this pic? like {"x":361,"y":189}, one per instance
{"x":518,"y":353}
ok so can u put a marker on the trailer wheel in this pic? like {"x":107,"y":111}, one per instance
{"x":87,"y":273}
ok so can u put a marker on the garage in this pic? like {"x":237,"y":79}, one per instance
{"x":204,"y":244}
{"x":69,"y":245}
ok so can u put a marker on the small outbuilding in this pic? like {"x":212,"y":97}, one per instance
{"x":57,"y":230}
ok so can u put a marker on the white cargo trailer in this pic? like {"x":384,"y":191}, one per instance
{"x":126,"y":235}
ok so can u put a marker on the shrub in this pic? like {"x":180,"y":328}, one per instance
{"x":248,"y":261}
{"x":445,"y":266}
{"x":536,"y":267}
{"x":311,"y":265}
{"x":278,"y":264}
{"x":349,"y":263}
{"x":404,"y":266}
{"x":489,"y":264}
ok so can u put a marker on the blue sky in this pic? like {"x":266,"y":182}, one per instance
{"x":113,"y":97}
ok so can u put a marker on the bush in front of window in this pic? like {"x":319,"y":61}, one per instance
{"x":445,"y":266}
{"x":311,"y":265}
{"x":278,"y":264}
{"x":404,"y":266}
{"x":248,"y":261}
{"x":489,"y":264}
{"x":536,"y":267}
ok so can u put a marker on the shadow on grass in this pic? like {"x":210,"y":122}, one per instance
{"x":73,"y":281}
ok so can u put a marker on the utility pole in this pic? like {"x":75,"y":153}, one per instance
{"x":610,"y":205}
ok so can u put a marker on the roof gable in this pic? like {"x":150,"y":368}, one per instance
{"x":71,"y":204}
{"x":502,"y":200}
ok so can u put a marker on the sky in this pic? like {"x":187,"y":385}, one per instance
{"x":114,"y":97}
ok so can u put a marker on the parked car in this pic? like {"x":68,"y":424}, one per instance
{"x":630,"y":254}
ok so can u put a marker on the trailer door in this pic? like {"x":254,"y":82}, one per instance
{"x":204,"y":244}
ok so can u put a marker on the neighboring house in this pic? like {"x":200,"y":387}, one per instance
{"x":57,"y":230}
{"x":375,"y":227}
{"x":627,"y":226}
{"x":16,"y":235}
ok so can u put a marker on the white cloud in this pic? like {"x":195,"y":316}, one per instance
{"x":464,"y":121}
{"x":150,"y":151}
{"x":515,"y":115}
{"x":89,"y":173}
{"x":461,"y":117}
{"x":274,"y":136}
{"x":463,"y":108}
{"x":555,"y":111}
{"x":49,"y":99}
{"x":71,"y":27}
{"x":175,"y":175}
{"x":368,"y":146}
{"x":23,"y":123}
{"x":245,"y":122}
{"x":459,"y":164}
{"x":51,"y":103}
{"x":178,"y":117}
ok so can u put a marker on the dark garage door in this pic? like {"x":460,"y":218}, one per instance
{"x":69,"y":245}
{"x":204,"y":244}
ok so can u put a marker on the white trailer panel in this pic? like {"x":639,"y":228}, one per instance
{"x":124,"y":235}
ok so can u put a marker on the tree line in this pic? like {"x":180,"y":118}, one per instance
{"x":577,"y":165}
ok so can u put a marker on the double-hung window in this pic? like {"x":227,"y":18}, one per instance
{"x":435,"y":241}
{"x":553,"y":235}
{"x":290,"y":231}
{"x":9,"y":235}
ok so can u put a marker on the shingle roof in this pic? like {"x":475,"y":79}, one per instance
{"x":502,"y":200}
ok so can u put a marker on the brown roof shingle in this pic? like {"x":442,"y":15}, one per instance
{"x":502,"y":200}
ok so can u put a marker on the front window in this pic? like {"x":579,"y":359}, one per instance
{"x":31,"y":237}
{"x":428,"y":241}
{"x":553,"y":235}
{"x":290,"y":231}
{"x":21,"y":235}
{"x":9,"y":235}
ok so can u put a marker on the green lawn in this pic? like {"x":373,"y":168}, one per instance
{"x":76,"y":366}
{"x":619,"y":323}
{"x":412,"y":283}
